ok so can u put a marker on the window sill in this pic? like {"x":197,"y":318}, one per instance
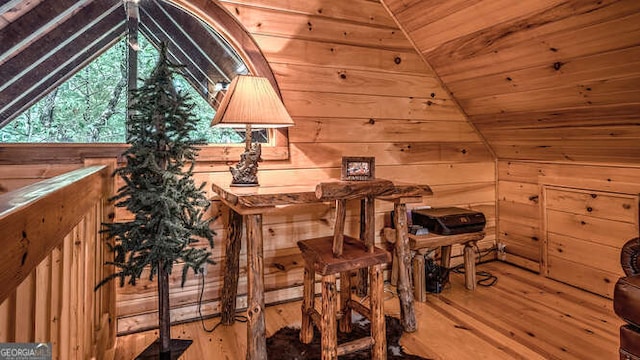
{"x":15,"y":154}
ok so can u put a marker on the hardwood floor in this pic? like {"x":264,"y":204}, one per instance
{"x":523,"y":316}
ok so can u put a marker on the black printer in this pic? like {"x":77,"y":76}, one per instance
{"x":449,"y":220}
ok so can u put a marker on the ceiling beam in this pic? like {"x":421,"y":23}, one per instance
{"x":190,"y":71}
{"x":158,"y":28}
{"x":190,"y":43}
{"x":215,"y":49}
{"x":213,"y":13}
{"x":57,"y":68}
{"x":50,"y":43}
{"x":7,"y":5}
{"x":173,"y":25}
{"x":34,"y":24}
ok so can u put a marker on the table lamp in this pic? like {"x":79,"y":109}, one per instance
{"x":250,"y":102}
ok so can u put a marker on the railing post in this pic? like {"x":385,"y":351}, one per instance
{"x":105,"y":312}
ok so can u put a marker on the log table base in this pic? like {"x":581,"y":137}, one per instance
{"x":248,"y":205}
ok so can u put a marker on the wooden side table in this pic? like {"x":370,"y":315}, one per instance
{"x":422,"y":244}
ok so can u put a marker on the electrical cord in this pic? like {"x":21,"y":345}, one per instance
{"x":485,"y":278}
{"x":238,"y":318}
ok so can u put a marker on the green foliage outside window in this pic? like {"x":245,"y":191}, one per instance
{"x":90,"y":107}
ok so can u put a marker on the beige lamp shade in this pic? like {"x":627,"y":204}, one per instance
{"x":251,"y":100}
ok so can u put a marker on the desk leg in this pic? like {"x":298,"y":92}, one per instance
{"x":232,"y":268}
{"x":362,"y":275}
{"x":470,"y":265}
{"x":407,"y":313}
{"x":256,"y":331}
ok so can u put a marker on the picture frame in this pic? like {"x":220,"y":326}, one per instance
{"x":358,"y":168}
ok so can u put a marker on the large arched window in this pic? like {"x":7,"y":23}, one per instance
{"x":91,"y":106}
{"x":201,"y":35}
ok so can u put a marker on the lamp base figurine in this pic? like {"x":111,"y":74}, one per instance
{"x":245,"y":173}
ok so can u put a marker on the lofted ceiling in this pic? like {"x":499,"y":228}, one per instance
{"x":542,"y":80}
{"x":43,"y":43}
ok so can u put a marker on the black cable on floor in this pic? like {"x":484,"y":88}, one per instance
{"x":238,"y":318}
{"x":485,"y":278}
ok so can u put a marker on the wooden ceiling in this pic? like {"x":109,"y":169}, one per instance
{"x":545,"y":80}
{"x":43,"y":43}
{"x":541,"y":80}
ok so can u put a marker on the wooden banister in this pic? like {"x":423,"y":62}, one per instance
{"x":52,"y":257}
{"x":36,"y":218}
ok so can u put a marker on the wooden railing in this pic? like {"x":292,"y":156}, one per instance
{"x":52,"y":255}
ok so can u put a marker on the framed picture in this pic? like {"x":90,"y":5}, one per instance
{"x":358,"y":168}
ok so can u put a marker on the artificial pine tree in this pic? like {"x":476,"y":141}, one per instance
{"x":160,"y":192}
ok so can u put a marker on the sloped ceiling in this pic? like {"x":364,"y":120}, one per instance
{"x":541,"y":80}
{"x":544,"y":80}
{"x":43,"y":43}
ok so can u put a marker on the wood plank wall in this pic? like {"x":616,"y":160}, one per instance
{"x":530,"y":240}
{"x":354,"y":87}
{"x":552,"y":80}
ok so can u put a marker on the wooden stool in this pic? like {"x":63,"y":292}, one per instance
{"x":422,"y":244}
{"x":342,"y":254}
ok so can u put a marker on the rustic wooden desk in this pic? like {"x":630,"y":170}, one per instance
{"x":248,"y":204}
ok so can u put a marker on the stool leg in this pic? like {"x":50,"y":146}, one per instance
{"x":469,"y":266}
{"x":306,"y":329}
{"x":419,"y":286}
{"x":394,"y":268}
{"x":378,"y":327}
{"x":345,"y":297}
{"x":328,"y":326}
{"x":445,"y":256}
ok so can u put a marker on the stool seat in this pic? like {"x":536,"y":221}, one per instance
{"x":319,"y":253}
